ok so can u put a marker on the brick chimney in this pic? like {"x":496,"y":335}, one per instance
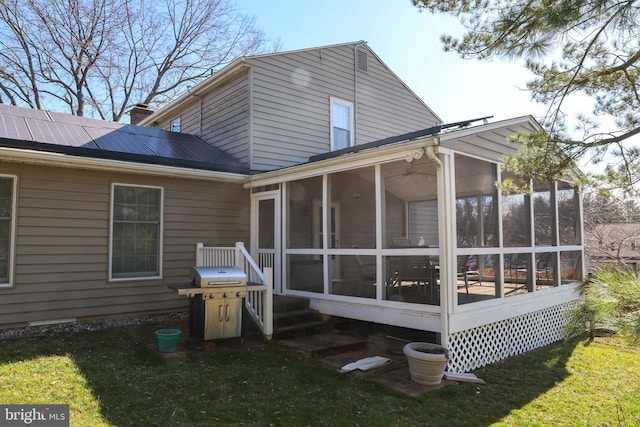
{"x":139,"y":112}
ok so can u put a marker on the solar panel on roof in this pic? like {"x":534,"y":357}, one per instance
{"x":12,"y":110}
{"x":144,"y":131}
{"x":83,"y":121}
{"x":14,"y":127}
{"x":117,"y":140}
{"x":41,"y":132}
{"x":83,"y":136}
{"x":60,"y":133}
{"x":175,"y":149}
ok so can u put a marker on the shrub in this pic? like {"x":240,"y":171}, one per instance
{"x":611,"y":300}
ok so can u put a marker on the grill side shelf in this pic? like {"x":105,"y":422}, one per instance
{"x":189,"y":289}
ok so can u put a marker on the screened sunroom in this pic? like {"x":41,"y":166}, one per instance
{"x":416,"y":234}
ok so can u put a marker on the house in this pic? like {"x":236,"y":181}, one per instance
{"x":71,"y":248}
{"x":613,"y":243}
{"x":344,"y":183}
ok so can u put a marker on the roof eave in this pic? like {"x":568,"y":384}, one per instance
{"x":347,"y":161}
{"x":48,"y":158}
{"x":514,"y":121}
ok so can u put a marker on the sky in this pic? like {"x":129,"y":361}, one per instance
{"x":408,"y":42}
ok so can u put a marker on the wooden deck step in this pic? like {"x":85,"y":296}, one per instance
{"x":323,"y":345}
{"x":301,"y":326}
{"x":293,"y":317}
{"x":283,"y":303}
{"x":298,"y":313}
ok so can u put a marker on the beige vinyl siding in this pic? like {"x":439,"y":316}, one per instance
{"x":423,"y":222}
{"x":290,"y":103}
{"x":385,"y":106}
{"x":276,"y":112}
{"x":62,"y":242}
{"x":225,"y":117}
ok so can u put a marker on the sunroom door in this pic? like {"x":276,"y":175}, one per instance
{"x":265,"y":234}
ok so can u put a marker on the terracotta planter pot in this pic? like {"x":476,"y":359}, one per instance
{"x":427,"y":362}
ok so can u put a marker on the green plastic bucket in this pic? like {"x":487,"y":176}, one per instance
{"x":168,"y":339}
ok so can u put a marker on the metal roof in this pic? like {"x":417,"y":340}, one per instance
{"x":80,"y":136}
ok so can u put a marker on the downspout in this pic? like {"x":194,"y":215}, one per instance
{"x":445,"y":250}
{"x":200,"y":108}
{"x":355,"y":90}
{"x":431,"y":154}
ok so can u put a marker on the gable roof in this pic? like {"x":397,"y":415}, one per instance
{"x":356,"y":45}
{"x":24,"y":128}
{"x":243,"y":63}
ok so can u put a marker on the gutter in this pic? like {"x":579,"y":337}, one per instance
{"x":432,"y":155}
{"x":35,"y":157}
{"x":339,"y":163}
{"x":200,"y":110}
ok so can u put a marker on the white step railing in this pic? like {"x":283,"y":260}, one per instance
{"x":266,"y":257}
{"x":259,"y":300}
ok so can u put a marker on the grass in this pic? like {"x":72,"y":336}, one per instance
{"x":113,"y":378}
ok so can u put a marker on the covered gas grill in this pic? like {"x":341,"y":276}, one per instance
{"x":215,"y":301}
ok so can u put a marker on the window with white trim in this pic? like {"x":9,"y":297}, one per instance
{"x":341,"y":124}
{"x":136,"y":232}
{"x":176,"y":124}
{"x":7,"y":226}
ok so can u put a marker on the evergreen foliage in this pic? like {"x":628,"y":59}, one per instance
{"x":588,"y":49}
{"x":611,"y":302}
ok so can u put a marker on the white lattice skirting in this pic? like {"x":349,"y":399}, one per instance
{"x":477,"y":347}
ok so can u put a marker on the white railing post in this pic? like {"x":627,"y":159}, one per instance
{"x":239,"y":258}
{"x":268,"y":304}
{"x":199,"y":251}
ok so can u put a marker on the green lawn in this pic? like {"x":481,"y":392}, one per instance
{"x":113,"y":378}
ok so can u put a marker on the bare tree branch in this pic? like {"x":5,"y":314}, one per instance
{"x":99,"y":57}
